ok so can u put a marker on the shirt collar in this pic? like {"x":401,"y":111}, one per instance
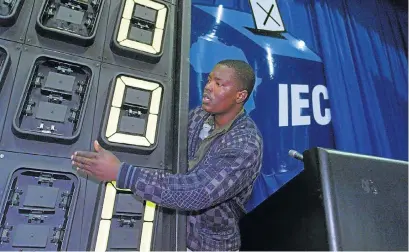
{"x":210,"y":121}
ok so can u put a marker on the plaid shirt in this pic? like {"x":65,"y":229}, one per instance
{"x":216,"y":187}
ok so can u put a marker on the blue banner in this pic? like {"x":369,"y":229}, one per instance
{"x":290,"y":100}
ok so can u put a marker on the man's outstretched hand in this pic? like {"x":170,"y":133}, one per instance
{"x":101,"y":164}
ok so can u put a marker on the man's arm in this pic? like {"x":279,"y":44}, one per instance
{"x":214,"y":180}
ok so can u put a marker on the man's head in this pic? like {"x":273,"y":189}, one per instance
{"x":228,"y":87}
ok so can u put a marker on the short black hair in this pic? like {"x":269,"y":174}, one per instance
{"x":244,"y":73}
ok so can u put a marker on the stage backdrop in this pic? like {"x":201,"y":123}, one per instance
{"x":290,"y":100}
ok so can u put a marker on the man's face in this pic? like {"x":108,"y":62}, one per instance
{"x":221,"y":92}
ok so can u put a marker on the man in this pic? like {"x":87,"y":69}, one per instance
{"x":225,"y":151}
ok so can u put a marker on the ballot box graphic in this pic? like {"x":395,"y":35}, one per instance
{"x":75,"y":71}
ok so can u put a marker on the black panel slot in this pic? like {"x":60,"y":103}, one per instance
{"x":9,"y":11}
{"x":142,"y":24}
{"x":126,"y":224}
{"x":127,"y":204}
{"x":136,"y":99}
{"x":58,"y":83}
{"x":54,"y":100}
{"x":144,"y":15}
{"x":38,"y":212}
{"x":134,"y":111}
{"x":30,"y":236}
{"x":132,"y":125}
{"x":74,"y":19}
{"x":124,"y":239}
{"x":133,"y":116}
{"x":41,"y":197}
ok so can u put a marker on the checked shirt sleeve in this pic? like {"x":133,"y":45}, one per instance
{"x":221,"y":175}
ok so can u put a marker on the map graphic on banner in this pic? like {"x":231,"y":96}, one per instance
{"x":231,"y":51}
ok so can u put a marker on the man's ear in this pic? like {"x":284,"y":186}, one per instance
{"x":241,"y":96}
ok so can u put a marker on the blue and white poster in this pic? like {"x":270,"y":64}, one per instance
{"x":290,"y":100}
